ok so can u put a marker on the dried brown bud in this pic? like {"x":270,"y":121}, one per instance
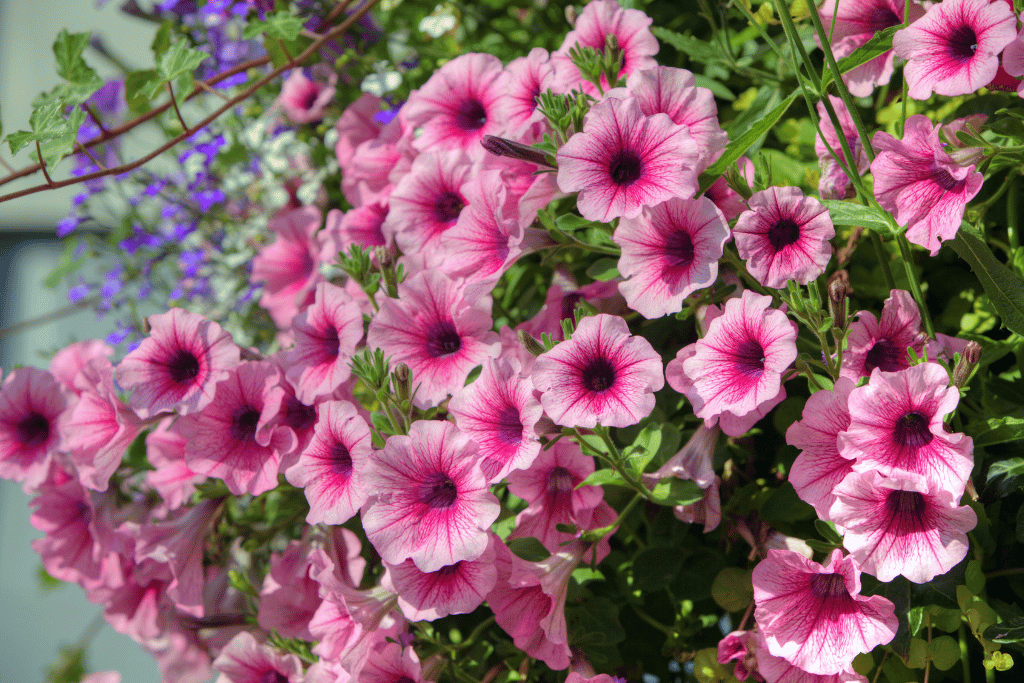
{"x":384,"y":256}
{"x":968,"y":361}
{"x":571,"y":15}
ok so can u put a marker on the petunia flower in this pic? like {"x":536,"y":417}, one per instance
{"x":331,"y":471}
{"x":227,"y":440}
{"x":178,"y":367}
{"x":903,"y":524}
{"x":601,"y":18}
{"x":460,"y":103}
{"x":246,"y":660}
{"x":623,"y":161}
{"x":954,"y":48}
{"x":737,"y":367}
{"x":784,"y":236}
{"x":429,"y":499}
{"x":31,"y":405}
{"x":499,"y":412}
{"x":920,"y":184}
{"x":883,"y":344}
{"x":288,"y":266}
{"x":439,"y":328}
{"x":668,"y":252}
{"x":813,"y":616}
{"x":777,"y":670}
{"x":896,"y":425}
{"x":602,"y":375}
{"x":834,"y":182}
{"x":302,"y":99}
{"x":820,"y":466}
{"x":856,"y":22}
{"x":528,"y":77}
{"x":428,"y":200}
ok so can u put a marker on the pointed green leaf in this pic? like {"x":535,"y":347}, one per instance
{"x":602,"y":477}
{"x":68,"y":49}
{"x":674,"y":491}
{"x":996,"y":430}
{"x":879,"y":44}
{"x":604,"y":269}
{"x":136,"y":91}
{"x":180,"y":58}
{"x":1003,"y":287}
{"x":849,"y":213}
{"x":740,"y":145}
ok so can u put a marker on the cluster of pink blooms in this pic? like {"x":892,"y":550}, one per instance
{"x":877,"y":460}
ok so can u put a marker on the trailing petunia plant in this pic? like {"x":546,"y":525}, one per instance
{"x":519,"y":341}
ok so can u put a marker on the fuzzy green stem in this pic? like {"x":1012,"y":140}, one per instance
{"x":883,"y":260}
{"x":915,"y":286}
{"x":964,"y":661}
{"x":1012,"y":232}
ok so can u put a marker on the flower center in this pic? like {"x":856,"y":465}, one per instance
{"x":829,"y":586}
{"x":943,"y":179}
{"x":750,"y":358}
{"x":243,"y":423}
{"x":559,"y":481}
{"x":33,"y":430}
{"x":309,"y":99}
{"x":439,"y":491}
{"x":626,"y":167}
{"x":298,"y":415}
{"x":331,"y":342}
{"x":443,"y":339}
{"x":884,"y":355}
{"x":599,"y":375}
{"x":471,"y":115}
{"x":183,"y":367}
{"x":446,"y":570}
{"x":906,"y":506}
{"x":448,"y":207}
{"x":569,"y":302}
{"x":406,"y":679}
{"x":341,"y":460}
{"x":963,"y":43}
{"x":274,"y":677}
{"x":679,"y":249}
{"x":510,"y":427}
{"x":882,"y":18}
{"x":911,"y":431}
{"x":784,"y":233}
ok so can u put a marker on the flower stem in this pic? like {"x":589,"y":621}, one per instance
{"x":883,"y":260}
{"x":915,"y":286}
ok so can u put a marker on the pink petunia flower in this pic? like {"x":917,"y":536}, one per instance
{"x":303,"y":100}
{"x":246,"y":660}
{"x":601,"y":18}
{"x":362,"y":226}
{"x":99,"y":427}
{"x":460,"y":103}
{"x":896,"y":425}
{"x":326,"y":335}
{"x":1013,"y":65}
{"x":31,"y":405}
{"x":920,"y":184}
{"x":784,"y":236}
{"x":954,"y":48}
{"x":731,"y":202}
{"x":70,"y":360}
{"x":428,"y":200}
{"x":813,"y":616}
{"x":439,"y":328}
{"x":777,"y":670}
{"x":227,"y":439}
{"x":856,"y":22}
{"x":356,"y":125}
{"x":528,"y":77}
{"x":883,"y":343}
{"x":331,"y":471}
{"x":667,"y":90}
{"x":429,"y":499}
{"x":737,"y":367}
{"x":499,"y":412}
{"x":288,"y":266}
{"x":834,"y":182}
{"x":171,"y":477}
{"x":741,"y":646}
{"x":901,"y":525}
{"x":457,"y":588}
{"x":560,"y":302}
{"x":178,"y":366}
{"x":602,"y":375}
{"x":669,"y":252}
{"x":391,"y":662}
{"x":623,"y":161}
{"x":820,"y":465}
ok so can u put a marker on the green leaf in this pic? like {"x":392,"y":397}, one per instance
{"x":179,"y":59}
{"x":1003,"y":287}
{"x":694,"y":48}
{"x":137,"y":89}
{"x":162,"y":40}
{"x":828,"y":532}
{"x":879,"y":44}
{"x":529,"y":549}
{"x":732,"y":589}
{"x":1010,"y":631}
{"x":717,"y":88}
{"x":675,"y":491}
{"x":944,"y":652}
{"x":604,"y":269}
{"x":974,"y":578}
{"x":284,"y":26}
{"x":656,"y":567}
{"x":68,"y":49}
{"x":850,"y":213}
{"x":603,"y":477}
{"x":740,"y":145}
{"x":996,"y":430}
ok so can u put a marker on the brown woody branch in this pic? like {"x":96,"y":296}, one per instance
{"x":244,"y":95}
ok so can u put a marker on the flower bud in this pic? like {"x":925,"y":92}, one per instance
{"x":968,"y":361}
{"x":838,"y":292}
{"x":571,"y":15}
{"x":401,"y":382}
{"x":503,"y":147}
{"x":531,"y":344}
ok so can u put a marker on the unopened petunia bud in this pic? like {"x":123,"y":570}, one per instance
{"x":401,"y":377}
{"x":503,"y":147}
{"x":968,"y":361}
{"x":531,"y":344}
{"x":571,"y":15}
{"x":838,"y":293}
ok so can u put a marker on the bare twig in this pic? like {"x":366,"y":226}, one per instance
{"x":244,"y":95}
{"x":42,"y":164}
{"x":94,"y":117}
{"x":70,"y":309}
{"x":82,"y":150}
{"x":338,"y":9}
{"x":210,"y":89}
